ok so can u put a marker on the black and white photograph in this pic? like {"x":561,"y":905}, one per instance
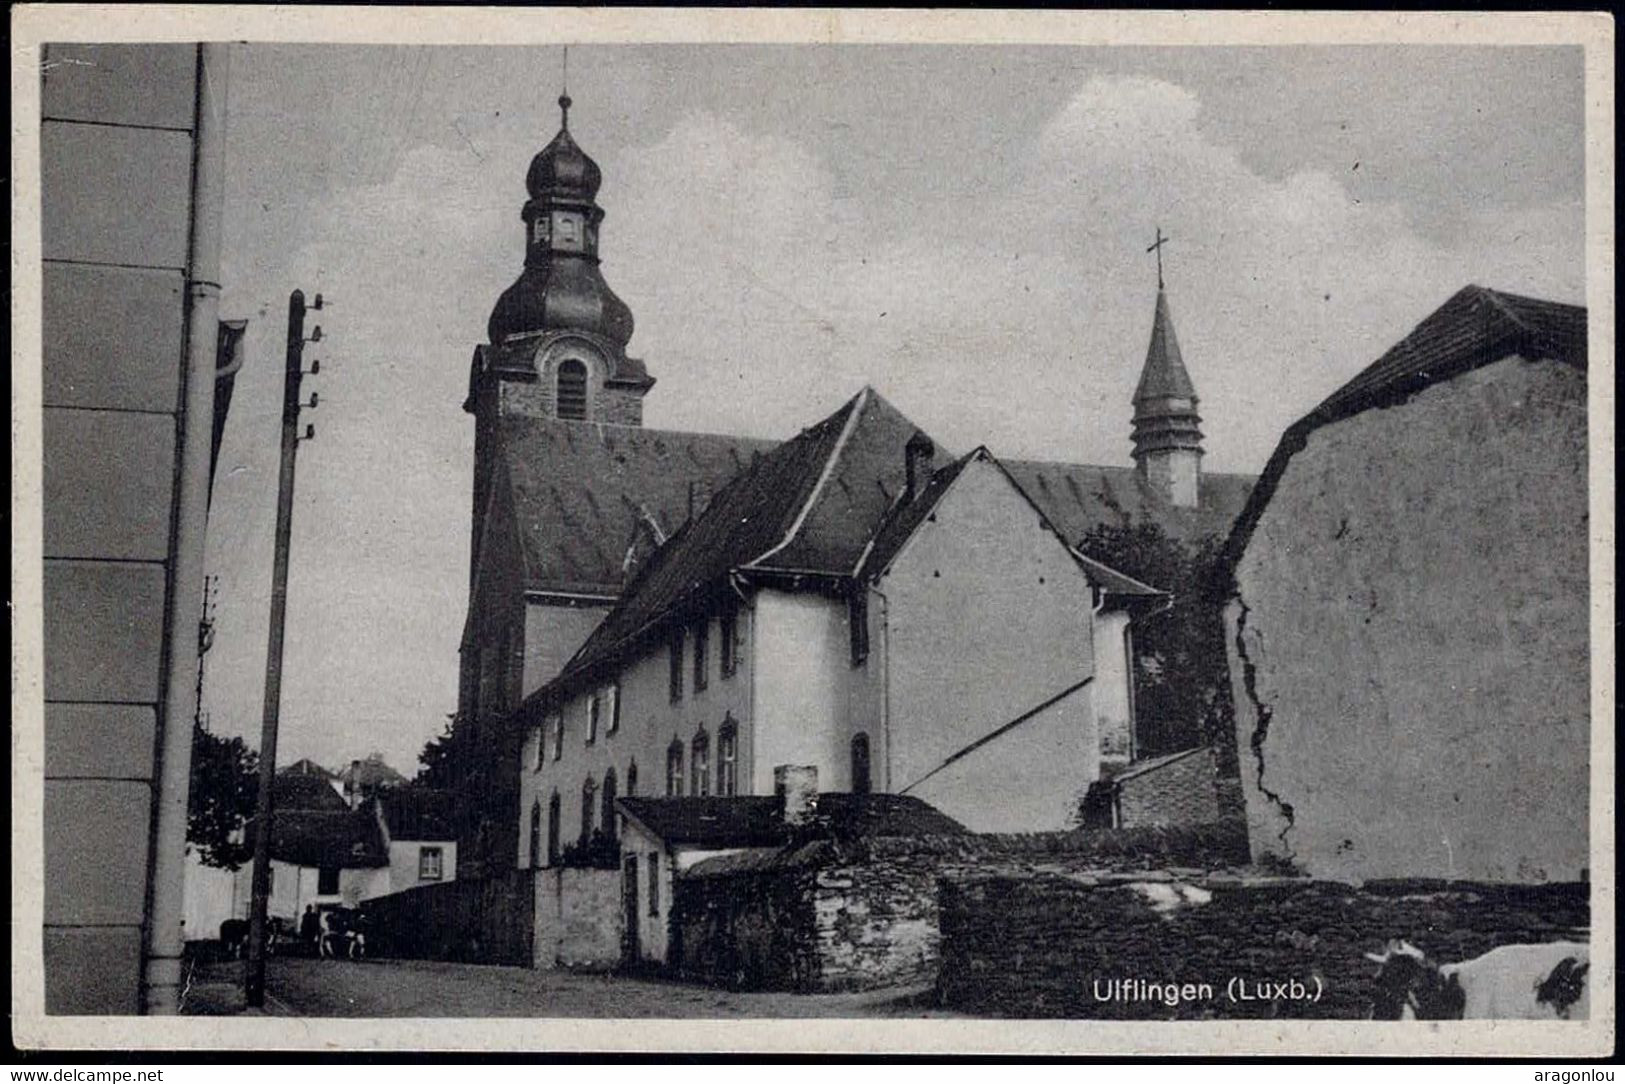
{"x":918,"y":527}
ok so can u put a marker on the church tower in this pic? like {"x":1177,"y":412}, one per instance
{"x":1167,"y":438}
{"x":558,"y":335}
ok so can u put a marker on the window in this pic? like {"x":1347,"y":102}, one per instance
{"x":674,"y":769}
{"x":553,"y":828}
{"x":541,"y":744}
{"x":535,"y":833}
{"x":429,"y":858}
{"x":860,"y":764}
{"x":594,"y":706}
{"x":727,"y":758}
{"x":588,"y":793}
{"x":558,"y":735}
{"x":728,"y":637}
{"x":327,"y":881}
{"x":632,"y":779}
{"x":700,"y":764}
{"x":607,"y":801}
{"x":676,"y":648}
{"x":654,"y":886}
{"x":572,"y":390}
{"x":613,"y":713}
{"x":702,"y":637}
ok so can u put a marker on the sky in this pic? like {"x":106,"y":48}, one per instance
{"x":964,"y":228}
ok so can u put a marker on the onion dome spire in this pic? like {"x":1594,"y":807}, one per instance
{"x":561,"y":286}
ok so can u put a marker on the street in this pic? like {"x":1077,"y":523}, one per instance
{"x":423,"y":988}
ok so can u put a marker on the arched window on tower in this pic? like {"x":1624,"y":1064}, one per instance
{"x":572,"y":390}
{"x":607,"y":800}
{"x":536,"y":833}
{"x":860,"y":764}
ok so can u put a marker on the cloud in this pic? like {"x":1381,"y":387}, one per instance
{"x":766,"y":291}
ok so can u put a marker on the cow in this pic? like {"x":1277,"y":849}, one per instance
{"x":234,"y":937}
{"x":1513,"y":982}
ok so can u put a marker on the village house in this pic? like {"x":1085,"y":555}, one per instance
{"x":1410,"y":623}
{"x":941,"y":643}
{"x":571,"y":496}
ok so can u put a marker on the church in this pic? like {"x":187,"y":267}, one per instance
{"x":642,"y":602}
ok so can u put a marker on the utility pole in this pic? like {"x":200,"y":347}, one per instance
{"x":254,"y":980}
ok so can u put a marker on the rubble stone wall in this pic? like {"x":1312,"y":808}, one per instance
{"x":1049,"y":945}
{"x":578,"y":918}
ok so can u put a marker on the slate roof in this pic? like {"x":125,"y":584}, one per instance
{"x":346,"y":839}
{"x":1164,"y":375}
{"x":1151,"y":764}
{"x":1079,"y":497}
{"x":306,"y":792}
{"x":1475,"y":328}
{"x":757,"y":821}
{"x":418,"y":813}
{"x":807,"y":506}
{"x":582,"y":492}
{"x":306,"y":766}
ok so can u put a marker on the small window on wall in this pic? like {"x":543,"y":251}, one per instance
{"x":674,"y":769}
{"x":594,"y":708}
{"x":572,"y":390}
{"x":607,"y":801}
{"x":541,"y":744}
{"x":632,"y":780}
{"x":702,"y":641}
{"x":700,"y":764}
{"x":728,"y":758}
{"x":728,"y":641}
{"x":612,"y":710}
{"x":429,"y":858}
{"x":674,"y":647}
{"x":558,"y":735}
{"x":327,"y":881}
{"x":654,"y":886}
{"x":589,"y":793}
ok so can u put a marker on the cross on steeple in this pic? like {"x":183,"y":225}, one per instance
{"x":564,"y":92}
{"x":1157,"y":248}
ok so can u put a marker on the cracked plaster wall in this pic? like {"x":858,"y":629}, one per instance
{"x":1411,"y":631}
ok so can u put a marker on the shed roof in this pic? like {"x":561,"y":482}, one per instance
{"x":1475,"y":328}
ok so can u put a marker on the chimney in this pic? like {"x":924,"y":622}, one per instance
{"x":797,"y":787}
{"x":917,"y":455}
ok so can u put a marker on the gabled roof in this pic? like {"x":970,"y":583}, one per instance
{"x":1078,"y":497}
{"x":758,"y":821}
{"x":809,"y":506}
{"x":343,"y":839}
{"x":306,"y":792}
{"x":1475,"y":328}
{"x":582,"y":492}
{"x":417,"y":813}
{"x":1164,"y":375}
{"x":905,"y":519}
{"x":306,"y":766}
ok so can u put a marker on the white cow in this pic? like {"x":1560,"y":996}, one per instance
{"x":1513,"y":982}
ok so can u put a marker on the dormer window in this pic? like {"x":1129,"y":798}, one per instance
{"x":572,"y":391}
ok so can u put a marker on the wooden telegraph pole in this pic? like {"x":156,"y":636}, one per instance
{"x":254,"y":980}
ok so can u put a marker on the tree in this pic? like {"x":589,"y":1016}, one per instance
{"x":441,"y":756}
{"x":1181,"y":673}
{"x":224,"y":789}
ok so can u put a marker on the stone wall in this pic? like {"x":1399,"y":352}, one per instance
{"x":578,"y":918}
{"x":487,"y":921}
{"x":1035,"y":946}
{"x":865,"y":914}
{"x":1181,"y":790}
